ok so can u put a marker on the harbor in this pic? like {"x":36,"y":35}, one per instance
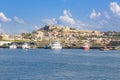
{"x":69,"y":38}
{"x":34,"y":45}
{"x":59,"y":39}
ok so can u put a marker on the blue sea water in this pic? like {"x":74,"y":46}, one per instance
{"x":65,"y":64}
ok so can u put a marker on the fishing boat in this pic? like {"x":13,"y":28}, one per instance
{"x":26,"y":46}
{"x":13,"y":46}
{"x":86,"y":46}
{"x":56,"y":45}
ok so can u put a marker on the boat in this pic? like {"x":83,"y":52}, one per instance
{"x":32,"y":45}
{"x":13,"y":46}
{"x":86,"y":46}
{"x":26,"y":46}
{"x":47,"y":47}
{"x":104,"y":49}
{"x":56,"y":45}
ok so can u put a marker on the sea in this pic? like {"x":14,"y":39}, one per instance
{"x":64,"y":64}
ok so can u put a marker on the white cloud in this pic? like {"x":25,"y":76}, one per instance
{"x":66,"y":18}
{"x":67,"y":13}
{"x":3,"y":18}
{"x":18,"y":20}
{"x":115,"y":8}
{"x":82,"y":25}
{"x":94,"y":15}
{"x":107,"y":15}
{"x":36,"y":27}
{"x":102,"y":22}
{"x":52,"y":21}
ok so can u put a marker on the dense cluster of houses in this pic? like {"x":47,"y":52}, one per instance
{"x":66,"y":35}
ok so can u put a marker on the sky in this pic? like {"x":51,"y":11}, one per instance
{"x":18,"y":16}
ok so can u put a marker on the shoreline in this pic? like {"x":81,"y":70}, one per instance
{"x":112,"y":48}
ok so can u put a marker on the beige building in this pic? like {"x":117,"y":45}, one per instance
{"x":4,"y":36}
{"x":37,"y":35}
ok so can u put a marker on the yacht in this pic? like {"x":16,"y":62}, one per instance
{"x":25,"y":46}
{"x":56,"y":45}
{"x":13,"y":46}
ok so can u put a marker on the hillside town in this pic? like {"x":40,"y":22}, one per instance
{"x":68,"y":37}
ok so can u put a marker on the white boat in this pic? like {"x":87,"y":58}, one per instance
{"x":13,"y":46}
{"x":56,"y":45}
{"x":25,"y":46}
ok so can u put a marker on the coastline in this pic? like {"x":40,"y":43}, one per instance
{"x":71,"y":47}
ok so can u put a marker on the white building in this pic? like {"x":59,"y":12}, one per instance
{"x":4,"y":42}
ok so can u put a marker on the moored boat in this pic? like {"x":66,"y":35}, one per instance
{"x":86,"y":46}
{"x":26,"y":46}
{"x":56,"y":45}
{"x":13,"y":46}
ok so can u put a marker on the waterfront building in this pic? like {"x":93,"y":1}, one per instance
{"x":4,"y":43}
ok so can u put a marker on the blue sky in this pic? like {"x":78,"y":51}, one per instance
{"x":17,"y":16}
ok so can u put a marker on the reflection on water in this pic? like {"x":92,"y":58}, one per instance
{"x":65,"y":64}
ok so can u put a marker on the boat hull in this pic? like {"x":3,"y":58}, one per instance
{"x":86,"y":48}
{"x":56,"y":47}
{"x":12,"y":46}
